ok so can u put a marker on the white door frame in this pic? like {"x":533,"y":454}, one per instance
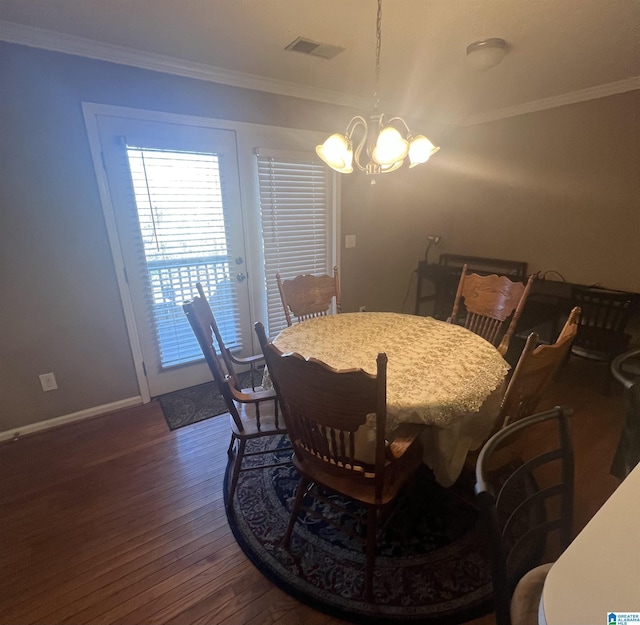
{"x":249,"y":137}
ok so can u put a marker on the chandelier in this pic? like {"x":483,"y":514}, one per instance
{"x":385,"y":142}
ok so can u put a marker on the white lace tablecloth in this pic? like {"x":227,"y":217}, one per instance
{"x":438,"y":374}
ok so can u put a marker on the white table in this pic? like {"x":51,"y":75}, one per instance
{"x":599,"y":573}
{"x":438,"y":374}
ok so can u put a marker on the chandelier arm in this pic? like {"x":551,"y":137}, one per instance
{"x":356,"y":157}
{"x":399,"y":119}
{"x":356,"y":123}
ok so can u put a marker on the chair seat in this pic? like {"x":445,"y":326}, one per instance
{"x":364,"y":490}
{"x":525,"y":602}
{"x":250,"y":429}
{"x":404,"y":436}
{"x":401,"y":439}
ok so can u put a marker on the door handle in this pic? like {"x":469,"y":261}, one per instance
{"x":241,"y":277}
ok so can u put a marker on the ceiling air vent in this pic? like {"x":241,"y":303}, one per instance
{"x":306,"y":46}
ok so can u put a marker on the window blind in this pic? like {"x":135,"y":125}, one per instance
{"x":179,"y":198}
{"x":296,"y":211}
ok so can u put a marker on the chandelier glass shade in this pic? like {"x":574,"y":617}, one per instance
{"x":379,"y":145}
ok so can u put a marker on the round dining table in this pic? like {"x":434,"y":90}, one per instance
{"x":438,"y":374}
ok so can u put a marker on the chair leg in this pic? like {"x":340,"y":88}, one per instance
{"x":236,"y":470}
{"x":300,"y":492}
{"x":231,"y":442}
{"x":372,"y":519}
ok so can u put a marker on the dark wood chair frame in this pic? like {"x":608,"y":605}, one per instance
{"x":516,"y":511}
{"x":323,"y":408}
{"x":252,"y":413}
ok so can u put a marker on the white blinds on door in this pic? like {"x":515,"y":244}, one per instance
{"x":179,"y":205}
{"x":296,"y":208}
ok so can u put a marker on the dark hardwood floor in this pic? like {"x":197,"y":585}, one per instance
{"x":118,"y":520}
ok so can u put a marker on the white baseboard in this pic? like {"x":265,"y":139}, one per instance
{"x":70,"y":418}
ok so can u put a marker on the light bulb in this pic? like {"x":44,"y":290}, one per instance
{"x":420,"y":150}
{"x":337,"y":153}
{"x":390,"y":147}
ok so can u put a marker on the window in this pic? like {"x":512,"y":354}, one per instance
{"x":179,"y":204}
{"x":298,"y":215}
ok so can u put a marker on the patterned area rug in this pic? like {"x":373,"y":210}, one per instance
{"x":432,"y":564}
{"x":198,"y":403}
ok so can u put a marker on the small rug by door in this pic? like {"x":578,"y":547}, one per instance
{"x":432,"y":564}
{"x":197,"y":403}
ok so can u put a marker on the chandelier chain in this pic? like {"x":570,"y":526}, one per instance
{"x":385,"y":142}
{"x":376,"y":93}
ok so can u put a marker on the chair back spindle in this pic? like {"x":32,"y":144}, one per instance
{"x":489,"y":301}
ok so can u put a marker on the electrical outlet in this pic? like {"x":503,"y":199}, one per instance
{"x":434,"y":238}
{"x":362,"y":309}
{"x":48,"y":382}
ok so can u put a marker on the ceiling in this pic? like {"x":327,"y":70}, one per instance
{"x":561,"y":51}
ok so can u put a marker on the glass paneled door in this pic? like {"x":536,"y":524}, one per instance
{"x":176,"y":205}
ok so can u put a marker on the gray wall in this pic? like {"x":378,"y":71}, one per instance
{"x":559,"y":189}
{"x":60,"y":307}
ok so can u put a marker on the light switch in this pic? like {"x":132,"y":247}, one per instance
{"x":350,"y":240}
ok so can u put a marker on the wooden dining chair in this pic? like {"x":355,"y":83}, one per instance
{"x":489,"y":301}
{"x":528,"y":512}
{"x":252,"y":413}
{"x":323,"y":409}
{"x":307,"y":296}
{"x":601,"y":334}
{"x":228,"y":357}
{"x":534,"y":372}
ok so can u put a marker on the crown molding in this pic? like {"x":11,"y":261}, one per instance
{"x":79,"y":46}
{"x":573,"y":97}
